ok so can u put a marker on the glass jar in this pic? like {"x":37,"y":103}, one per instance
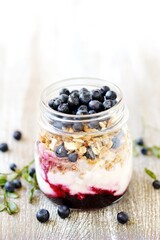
{"x":101,"y":141}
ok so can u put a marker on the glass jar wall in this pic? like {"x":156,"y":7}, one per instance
{"x":83,"y":161}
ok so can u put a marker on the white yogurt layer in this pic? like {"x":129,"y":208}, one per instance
{"x":115,"y":180}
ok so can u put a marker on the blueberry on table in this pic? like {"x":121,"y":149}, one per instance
{"x":64,"y":91}
{"x":140,"y":142}
{"x":122,"y":217}
{"x":3,"y":147}
{"x":90,"y":154}
{"x":85,"y":97}
{"x":17,"y":183}
{"x":111,"y":95}
{"x":64,"y":98}
{"x":73,"y":101}
{"x":144,"y":151}
{"x":104,"y":89}
{"x":72,"y":157}
{"x":61,"y":151}
{"x":63,"y":108}
{"x":31,"y":172}
{"x":9,"y":187}
{"x":13,"y":166}
{"x":63,"y":211}
{"x":97,"y":95}
{"x":156,"y":184}
{"x":17,"y":135}
{"x":42,"y":215}
{"x":78,"y":127}
{"x":96,"y":105}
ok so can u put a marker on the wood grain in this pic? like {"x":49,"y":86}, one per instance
{"x":42,"y":55}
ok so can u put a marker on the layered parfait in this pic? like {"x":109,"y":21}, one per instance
{"x":84,"y":161}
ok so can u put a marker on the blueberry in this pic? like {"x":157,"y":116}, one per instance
{"x":3,"y":147}
{"x":92,"y":112}
{"x":122,"y":217}
{"x":57,"y":124}
{"x":96,"y":105}
{"x":156,"y":184}
{"x":114,"y":102}
{"x":140,"y":142}
{"x":116,"y":142}
{"x":104,"y":89}
{"x":144,"y":151}
{"x":85,"y":97}
{"x":56,"y":103}
{"x":73,"y":101}
{"x":17,"y":183}
{"x":90,"y":154}
{"x":107,"y":104}
{"x":31,"y":172}
{"x":111,"y":95}
{"x":64,"y":98}
{"x":82,"y":112}
{"x":83,"y":90}
{"x":9,"y":187}
{"x":78,"y":127}
{"x":83,"y":107}
{"x":97,"y":95}
{"x":75,"y":93}
{"x":13,"y":166}
{"x":94,"y":124}
{"x":17,"y":135}
{"x":73,"y":157}
{"x":51,"y":103}
{"x":63,"y":211}
{"x":64,"y":91}
{"x":42,"y":215}
{"x":63,"y":108}
{"x":61,"y":151}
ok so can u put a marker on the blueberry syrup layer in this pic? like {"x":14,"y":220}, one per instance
{"x":99,"y":199}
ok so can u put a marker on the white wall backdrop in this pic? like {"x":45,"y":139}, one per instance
{"x":48,"y":40}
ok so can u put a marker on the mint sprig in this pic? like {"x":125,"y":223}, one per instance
{"x":7,"y":204}
{"x":150,"y":173}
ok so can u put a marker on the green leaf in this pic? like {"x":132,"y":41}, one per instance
{"x":31,"y":194}
{"x":150,"y":173}
{"x":12,"y":207}
{"x":2,"y":207}
{"x":155,"y":151}
{"x":28,"y":178}
{"x":3,"y":180}
{"x":12,"y":195}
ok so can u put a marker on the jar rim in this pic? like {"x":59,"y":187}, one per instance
{"x":71,"y":116}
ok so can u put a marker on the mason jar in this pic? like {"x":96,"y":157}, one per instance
{"x":101,"y":141}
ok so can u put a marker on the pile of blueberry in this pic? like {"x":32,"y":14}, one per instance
{"x":83,"y":102}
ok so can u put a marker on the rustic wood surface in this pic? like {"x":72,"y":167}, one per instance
{"x":44,"y":47}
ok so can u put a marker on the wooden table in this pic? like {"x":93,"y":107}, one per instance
{"x":33,"y":56}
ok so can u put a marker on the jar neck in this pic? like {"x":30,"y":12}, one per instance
{"x":115,"y":116}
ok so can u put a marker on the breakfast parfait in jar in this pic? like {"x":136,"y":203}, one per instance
{"x":83,"y":151}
